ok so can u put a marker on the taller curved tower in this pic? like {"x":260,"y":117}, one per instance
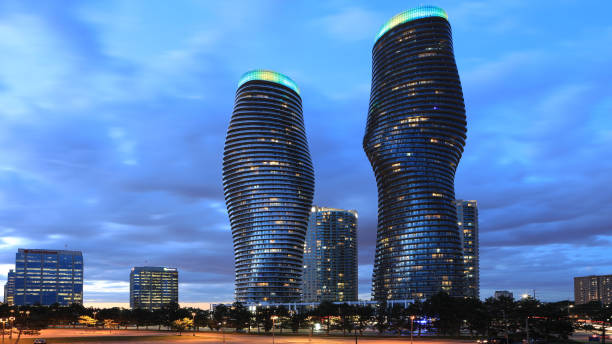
{"x":268,"y":182}
{"x":414,"y":139}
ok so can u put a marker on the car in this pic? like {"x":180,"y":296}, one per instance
{"x":40,"y":341}
{"x":594,"y":338}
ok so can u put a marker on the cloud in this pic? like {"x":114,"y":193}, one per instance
{"x":114,"y":120}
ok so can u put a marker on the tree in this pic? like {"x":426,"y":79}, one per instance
{"x":476,"y":316}
{"x":219,"y":317}
{"x":447,"y":313}
{"x":181,"y":325}
{"x":297,"y":320}
{"x":381,"y":317}
{"x":347,"y":317}
{"x":240,"y":316}
{"x":364,"y":316}
{"x":326,"y":310}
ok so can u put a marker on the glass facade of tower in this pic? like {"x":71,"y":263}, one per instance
{"x":9,"y":288}
{"x":467,"y":221}
{"x":46,"y":277}
{"x":414,"y":139}
{"x":153,"y":287}
{"x":268,"y":181}
{"x":330,"y":256}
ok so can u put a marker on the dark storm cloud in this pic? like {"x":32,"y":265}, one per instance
{"x":114,"y":118}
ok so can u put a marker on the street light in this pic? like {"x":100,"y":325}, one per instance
{"x":222,"y":332}
{"x":11,"y":321}
{"x":274,"y":317}
{"x":193,"y":314}
{"x":27,"y":318}
{"x":3,"y":321}
{"x":411,"y":327}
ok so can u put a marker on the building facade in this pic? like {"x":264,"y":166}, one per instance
{"x":153,"y":287}
{"x":9,"y":288}
{"x":330,"y":256}
{"x":593,"y":288}
{"x":467,"y":220}
{"x":415,"y":133}
{"x":503,"y":293}
{"x":268,"y":181}
{"x":46,"y":277}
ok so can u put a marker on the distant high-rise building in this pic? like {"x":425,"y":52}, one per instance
{"x":46,"y":277}
{"x":9,"y":288}
{"x":467,"y":220}
{"x":503,"y":293}
{"x":414,"y":139}
{"x":153,"y":287}
{"x":593,"y":288}
{"x":330,"y":256}
{"x":268,"y":181}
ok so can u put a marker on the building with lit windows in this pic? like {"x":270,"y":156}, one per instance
{"x":268,"y":180}
{"x":415,"y":133}
{"x":330,"y":256}
{"x":46,"y":277}
{"x":467,"y":220}
{"x":153,"y":287}
{"x":9,"y":288}
{"x":593,"y":288}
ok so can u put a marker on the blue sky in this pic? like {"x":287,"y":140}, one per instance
{"x":113,"y":116}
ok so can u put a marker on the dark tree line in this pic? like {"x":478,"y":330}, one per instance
{"x":502,"y":318}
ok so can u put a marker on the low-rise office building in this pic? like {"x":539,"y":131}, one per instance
{"x":46,"y":277}
{"x":153,"y":287}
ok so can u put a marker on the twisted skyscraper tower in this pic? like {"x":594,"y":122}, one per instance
{"x":414,"y":138}
{"x":268,"y":181}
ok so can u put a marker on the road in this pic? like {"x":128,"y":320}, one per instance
{"x":137,"y":337}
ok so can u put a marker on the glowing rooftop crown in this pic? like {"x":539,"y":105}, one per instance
{"x":268,"y":75}
{"x":412,"y":14}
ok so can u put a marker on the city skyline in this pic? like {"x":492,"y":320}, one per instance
{"x":108,"y":133}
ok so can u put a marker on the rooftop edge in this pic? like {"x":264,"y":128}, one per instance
{"x":268,"y":75}
{"x":409,"y":15}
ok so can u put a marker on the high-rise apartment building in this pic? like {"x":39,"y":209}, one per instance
{"x":9,"y":288}
{"x":414,"y":139}
{"x":153,"y":287}
{"x":467,"y":220}
{"x":593,"y":288}
{"x":268,"y":180}
{"x":46,"y":277}
{"x":330,"y":256}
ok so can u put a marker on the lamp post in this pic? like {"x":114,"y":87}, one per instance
{"x":274,"y":317}
{"x":222,"y":332}
{"x":27,"y":319}
{"x":11,"y":321}
{"x":193,"y":314}
{"x":3,"y":321}
{"x":96,"y":321}
{"x":411,"y":327}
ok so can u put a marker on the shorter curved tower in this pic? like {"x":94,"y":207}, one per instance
{"x":268,"y":180}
